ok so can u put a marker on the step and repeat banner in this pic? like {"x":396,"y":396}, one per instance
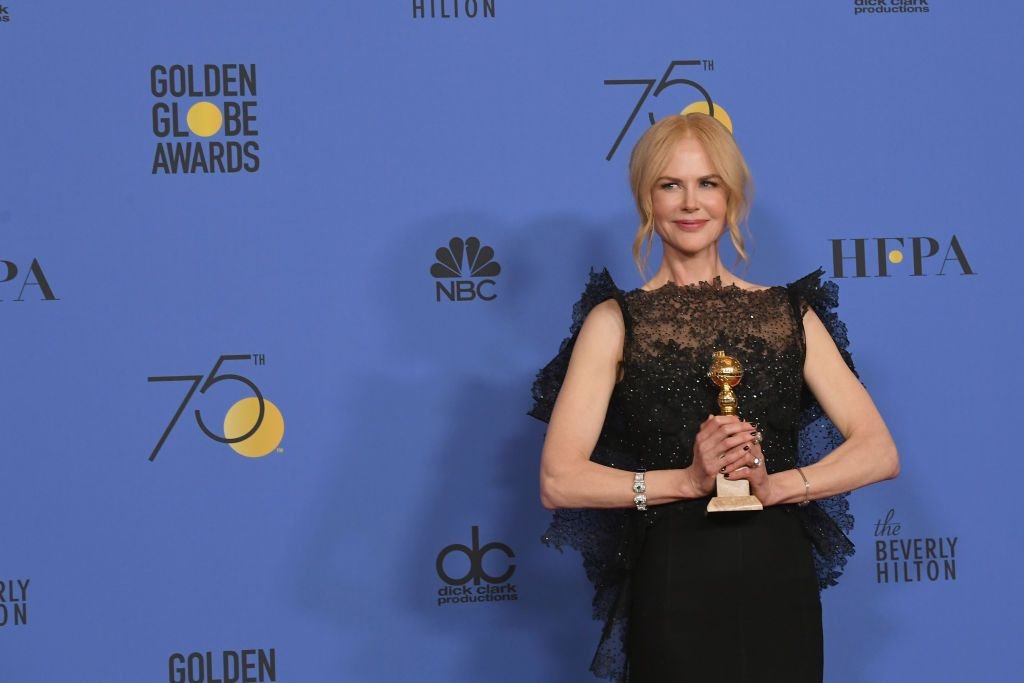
{"x":275,"y":280}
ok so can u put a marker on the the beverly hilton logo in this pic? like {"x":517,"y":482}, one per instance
{"x":465,"y":271}
{"x":901,"y":559}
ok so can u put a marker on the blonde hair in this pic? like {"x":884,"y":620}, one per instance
{"x":651,"y":155}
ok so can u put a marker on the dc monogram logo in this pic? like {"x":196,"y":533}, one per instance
{"x":465,"y":271}
{"x":476,"y":572}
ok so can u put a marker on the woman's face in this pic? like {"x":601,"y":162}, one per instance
{"x":689,"y":201}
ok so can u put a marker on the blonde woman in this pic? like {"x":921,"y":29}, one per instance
{"x":634,"y":444}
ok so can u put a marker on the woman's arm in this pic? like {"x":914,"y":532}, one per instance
{"x":568,"y":478}
{"x":868,"y":455}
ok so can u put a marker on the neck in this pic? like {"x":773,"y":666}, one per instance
{"x":691,"y":269}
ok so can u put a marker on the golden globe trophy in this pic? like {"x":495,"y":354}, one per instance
{"x":733,"y":496}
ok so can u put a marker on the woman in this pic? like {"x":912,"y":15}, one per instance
{"x":634,"y":446}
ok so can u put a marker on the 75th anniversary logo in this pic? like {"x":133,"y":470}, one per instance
{"x":677,"y":74}
{"x":253,"y":426}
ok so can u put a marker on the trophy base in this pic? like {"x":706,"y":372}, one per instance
{"x":734,"y":496}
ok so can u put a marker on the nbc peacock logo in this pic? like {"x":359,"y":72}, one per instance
{"x":465,"y":271}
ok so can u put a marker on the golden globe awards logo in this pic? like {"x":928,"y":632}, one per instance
{"x":204,"y":118}
{"x":5,"y":14}
{"x":227,"y":666}
{"x":253,"y":426}
{"x":13,"y":602}
{"x":899,"y":559}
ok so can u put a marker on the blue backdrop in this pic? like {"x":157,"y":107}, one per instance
{"x":269,"y":186}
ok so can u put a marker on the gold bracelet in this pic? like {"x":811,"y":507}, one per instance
{"x":807,"y":489}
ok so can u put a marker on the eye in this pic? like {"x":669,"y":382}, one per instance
{"x":668,"y":185}
{"x":708,"y":183}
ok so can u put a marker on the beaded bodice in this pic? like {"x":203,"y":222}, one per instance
{"x":665,"y":393}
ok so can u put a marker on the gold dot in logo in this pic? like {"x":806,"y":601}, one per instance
{"x":240,"y":419}
{"x":895,"y":256}
{"x":701,"y":107}
{"x":204,"y":119}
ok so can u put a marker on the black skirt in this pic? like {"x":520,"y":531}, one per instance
{"x":725,"y":597}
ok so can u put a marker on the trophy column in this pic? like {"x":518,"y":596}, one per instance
{"x":733,"y":496}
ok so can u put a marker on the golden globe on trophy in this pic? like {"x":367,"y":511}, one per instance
{"x":733,"y":496}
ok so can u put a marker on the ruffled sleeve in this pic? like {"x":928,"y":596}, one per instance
{"x":828,"y":520}
{"x":603,"y":537}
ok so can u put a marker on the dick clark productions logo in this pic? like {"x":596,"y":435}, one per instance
{"x":253,"y":426}
{"x":459,"y":565}
{"x":193,"y":104}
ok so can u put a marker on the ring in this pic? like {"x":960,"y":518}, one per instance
{"x":757,"y":462}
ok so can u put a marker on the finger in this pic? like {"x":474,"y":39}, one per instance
{"x":725,"y":419}
{"x":752,"y":474}
{"x":746,"y":469}
{"x":742,"y":456}
{"x":714,"y":435}
{"x":753,"y":461}
{"x":733,"y":460}
{"x":735,"y":447}
{"x":735,"y":429}
{"x":738,"y":439}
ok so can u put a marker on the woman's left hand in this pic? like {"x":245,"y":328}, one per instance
{"x":752,"y":468}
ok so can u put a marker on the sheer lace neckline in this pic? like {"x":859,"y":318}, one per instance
{"x":714,"y":284}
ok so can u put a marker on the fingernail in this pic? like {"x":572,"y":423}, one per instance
{"x":722,"y":470}
{"x":726,"y":476}
{"x":753,"y":433}
{"x":746,"y":448}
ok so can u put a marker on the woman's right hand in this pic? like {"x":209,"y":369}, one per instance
{"x":721,"y":441}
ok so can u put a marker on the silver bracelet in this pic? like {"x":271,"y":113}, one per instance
{"x":639,"y":491}
{"x":807,"y":489}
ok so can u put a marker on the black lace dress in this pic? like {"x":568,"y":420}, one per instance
{"x":687,"y":596}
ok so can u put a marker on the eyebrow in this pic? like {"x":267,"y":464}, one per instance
{"x":713,"y":176}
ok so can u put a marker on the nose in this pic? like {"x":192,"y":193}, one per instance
{"x":688,"y":200}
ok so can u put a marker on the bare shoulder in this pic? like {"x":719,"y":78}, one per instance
{"x":603,"y":331}
{"x":606,"y":313}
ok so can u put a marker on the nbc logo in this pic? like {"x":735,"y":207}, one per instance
{"x":464,"y":271}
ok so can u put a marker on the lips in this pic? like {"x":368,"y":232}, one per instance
{"x":690,"y":225}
